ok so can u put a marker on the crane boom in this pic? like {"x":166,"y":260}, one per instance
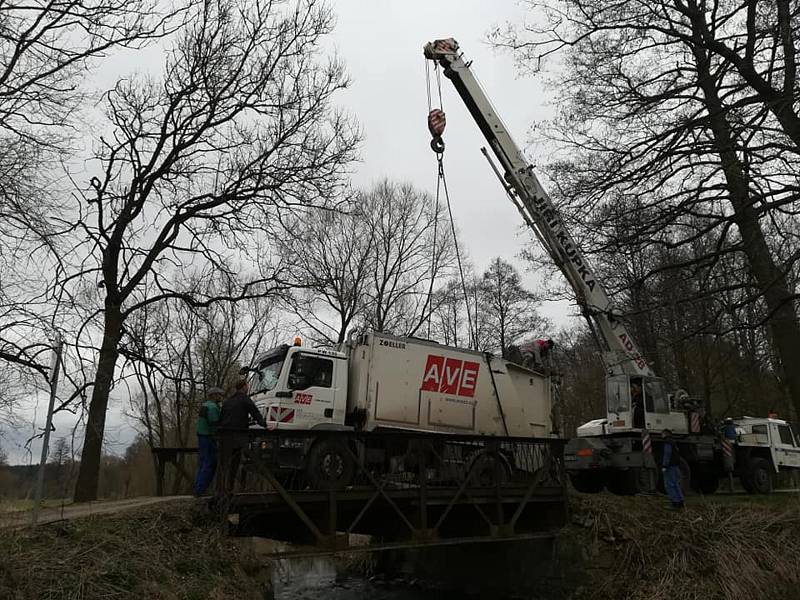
{"x":621,"y":353}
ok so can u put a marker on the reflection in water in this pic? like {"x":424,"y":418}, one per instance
{"x":351,"y":588}
{"x":316,"y":579}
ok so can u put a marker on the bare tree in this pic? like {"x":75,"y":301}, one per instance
{"x":449,"y":317}
{"x":46,"y":51}
{"x":176,"y":352}
{"x":665,"y":137}
{"x":413,"y":250}
{"x":201,"y":163}
{"x":507,"y":310}
{"x":760,"y":40}
{"x":332,"y":254}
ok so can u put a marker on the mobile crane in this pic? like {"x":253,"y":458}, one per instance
{"x":618,"y":450}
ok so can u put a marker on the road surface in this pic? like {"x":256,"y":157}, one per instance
{"x":74,"y":511}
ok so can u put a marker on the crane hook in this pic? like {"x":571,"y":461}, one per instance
{"x":436,"y":125}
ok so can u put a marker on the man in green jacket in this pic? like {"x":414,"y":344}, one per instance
{"x":206,"y":443}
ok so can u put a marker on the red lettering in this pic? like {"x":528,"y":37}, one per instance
{"x":433,"y":373}
{"x":469,"y":379}
{"x":303,"y":398}
{"x":452,"y":376}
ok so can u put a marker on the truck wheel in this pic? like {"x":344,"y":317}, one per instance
{"x":329,"y":465}
{"x":488,"y":470}
{"x":622,"y":482}
{"x":705,"y":479}
{"x":588,"y":482}
{"x":759,"y":476}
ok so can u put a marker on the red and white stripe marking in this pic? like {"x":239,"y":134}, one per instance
{"x":436,"y":122}
{"x":279,"y":414}
{"x":695,"y":422}
{"x":727,"y":448}
{"x":647,"y":445}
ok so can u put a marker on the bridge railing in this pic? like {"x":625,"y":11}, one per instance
{"x":321,"y":460}
{"x":367,"y":482}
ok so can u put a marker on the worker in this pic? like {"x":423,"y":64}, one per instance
{"x":234,"y":422}
{"x":670,"y":467}
{"x":206,"y":442}
{"x":637,"y":404}
{"x":541,"y":351}
{"x":729,"y":430}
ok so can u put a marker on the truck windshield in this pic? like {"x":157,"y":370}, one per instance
{"x":656,"y":396}
{"x":267,"y":372}
{"x":618,"y":394}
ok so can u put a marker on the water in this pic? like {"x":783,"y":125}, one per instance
{"x":352,"y":588}
{"x":317,"y":579}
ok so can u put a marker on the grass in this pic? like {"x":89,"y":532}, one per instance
{"x":719,"y":548}
{"x":168,"y":552}
{"x":12,"y":506}
{"x":633,"y":548}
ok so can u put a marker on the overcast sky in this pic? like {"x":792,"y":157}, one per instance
{"x":381,"y":42}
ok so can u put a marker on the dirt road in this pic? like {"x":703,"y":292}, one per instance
{"x":74,"y":511}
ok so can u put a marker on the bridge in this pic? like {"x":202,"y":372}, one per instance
{"x":396,"y":489}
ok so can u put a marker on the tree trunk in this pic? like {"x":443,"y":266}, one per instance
{"x":86,"y":486}
{"x":770,"y":278}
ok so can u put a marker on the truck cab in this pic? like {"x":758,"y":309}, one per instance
{"x":774,"y":437}
{"x":636,"y":403}
{"x":296,"y":387}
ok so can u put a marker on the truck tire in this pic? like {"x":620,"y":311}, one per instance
{"x":705,"y":479}
{"x":588,"y":482}
{"x":622,"y":482}
{"x":759,"y":476}
{"x":489,"y":469}
{"x":628,"y":482}
{"x":329,"y":465}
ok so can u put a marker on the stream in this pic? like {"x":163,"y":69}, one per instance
{"x":317,"y":579}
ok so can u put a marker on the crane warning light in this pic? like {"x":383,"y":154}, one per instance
{"x":298,"y":341}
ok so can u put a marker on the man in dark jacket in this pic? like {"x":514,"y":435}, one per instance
{"x":236,"y":414}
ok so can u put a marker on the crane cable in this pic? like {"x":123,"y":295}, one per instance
{"x":436,"y":125}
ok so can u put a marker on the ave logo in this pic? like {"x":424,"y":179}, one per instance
{"x":450,"y":376}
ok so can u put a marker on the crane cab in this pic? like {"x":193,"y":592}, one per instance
{"x":636,"y":403}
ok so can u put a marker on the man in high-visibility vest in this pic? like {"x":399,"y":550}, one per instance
{"x":207,"y":422}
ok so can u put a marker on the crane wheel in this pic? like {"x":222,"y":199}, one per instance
{"x":705,"y":479}
{"x":588,"y":482}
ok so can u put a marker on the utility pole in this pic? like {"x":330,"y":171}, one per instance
{"x":56,"y":365}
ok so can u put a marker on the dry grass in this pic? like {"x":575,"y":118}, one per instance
{"x":727,"y":549}
{"x":168,"y":552}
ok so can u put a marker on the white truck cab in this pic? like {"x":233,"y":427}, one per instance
{"x":774,"y":435}
{"x":301,"y":388}
{"x":636,"y":403}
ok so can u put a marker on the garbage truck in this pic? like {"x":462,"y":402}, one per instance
{"x":381,"y":382}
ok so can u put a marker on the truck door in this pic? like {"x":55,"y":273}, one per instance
{"x":786,"y":451}
{"x":619,"y":402}
{"x":312,"y":383}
